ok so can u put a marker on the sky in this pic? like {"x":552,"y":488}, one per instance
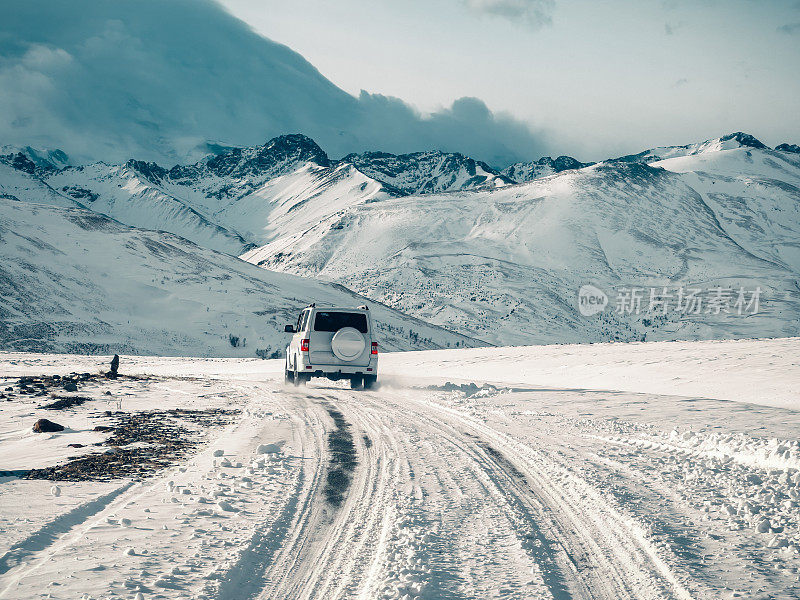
{"x":592,"y":79}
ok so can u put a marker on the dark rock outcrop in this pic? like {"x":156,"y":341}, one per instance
{"x":793,"y":148}
{"x":745,"y":139}
{"x":46,"y":426}
{"x":112,"y":374}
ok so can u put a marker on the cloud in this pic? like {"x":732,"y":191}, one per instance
{"x":533,"y":13}
{"x":789,"y":28}
{"x":155,"y":80}
{"x":468,"y":126}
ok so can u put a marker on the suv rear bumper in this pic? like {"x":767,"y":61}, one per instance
{"x":337,"y":375}
{"x":336,"y":372}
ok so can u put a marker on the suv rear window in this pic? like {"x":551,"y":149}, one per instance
{"x":334,"y":321}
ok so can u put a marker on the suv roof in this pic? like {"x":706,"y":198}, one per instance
{"x":339,"y":308}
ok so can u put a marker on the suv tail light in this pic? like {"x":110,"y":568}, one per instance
{"x":374,"y":347}
{"x":303,"y":345}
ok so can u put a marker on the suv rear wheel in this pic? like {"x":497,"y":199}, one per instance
{"x":356,"y":382}
{"x":370,"y":381}
{"x":300,"y":378}
{"x":288,"y":374}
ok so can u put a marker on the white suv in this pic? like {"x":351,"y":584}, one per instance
{"x":337,"y":343}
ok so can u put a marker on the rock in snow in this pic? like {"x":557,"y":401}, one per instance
{"x":268,"y":449}
{"x":226,"y":506}
{"x":46,"y":426}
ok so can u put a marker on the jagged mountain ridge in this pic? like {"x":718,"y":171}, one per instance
{"x":226,"y":201}
{"x":793,"y":148}
{"x":19,"y":184}
{"x":545,"y":166}
{"x":427,"y":172}
{"x":240,"y":198}
{"x":727,"y":142}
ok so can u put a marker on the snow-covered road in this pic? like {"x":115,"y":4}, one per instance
{"x":421,"y":489}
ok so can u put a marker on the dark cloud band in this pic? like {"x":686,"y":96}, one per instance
{"x":155,"y":80}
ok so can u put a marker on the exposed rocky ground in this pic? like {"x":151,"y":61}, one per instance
{"x":134,"y":443}
{"x":141,"y":443}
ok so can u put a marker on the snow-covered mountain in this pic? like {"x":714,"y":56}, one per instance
{"x":505,"y":265}
{"x":32,"y":160}
{"x":793,"y":148}
{"x":427,"y":172}
{"x":496,"y":261}
{"x":731,"y":141}
{"x":241,"y":198}
{"x":528,"y":171}
{"x":18,"y":182}
{"x":128,"y":194}
{"x":229,"y":202}
{"x":75,"y":281}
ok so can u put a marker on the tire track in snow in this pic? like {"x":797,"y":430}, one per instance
{"x":268,"y":557}
{"x":480,"y":483}
{"x":612,"y":552}
{"x":435,"y":549}
{"x":50,"y":533}
{"x":104,"y":505}
{"x":347,"y":538}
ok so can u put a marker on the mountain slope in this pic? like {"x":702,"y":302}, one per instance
{"x":505,"y":265}
{"x":75,"y":281}
{"x":17,"y":182}
{"x":240,"y":198}
{"x":244,"y":197}
{"x":755,"y":195}
{"x":125,"y":193}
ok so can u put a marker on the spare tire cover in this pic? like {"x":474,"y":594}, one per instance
{"x":348,"y":343}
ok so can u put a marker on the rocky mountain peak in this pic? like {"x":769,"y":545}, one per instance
{"x":149,"y":170}
{"x":528,"y":171}
{"x":33,"y":161}
{"x":744,"y":139}
{"x":272,"y":159}
{"x":793,"y":148}
{"x":276,"y":153}
{"x":427,"y":172}
{"x":564,"y":163}
{"x":20,"y":162}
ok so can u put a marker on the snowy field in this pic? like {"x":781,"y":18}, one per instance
{"x":659,"y":470}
